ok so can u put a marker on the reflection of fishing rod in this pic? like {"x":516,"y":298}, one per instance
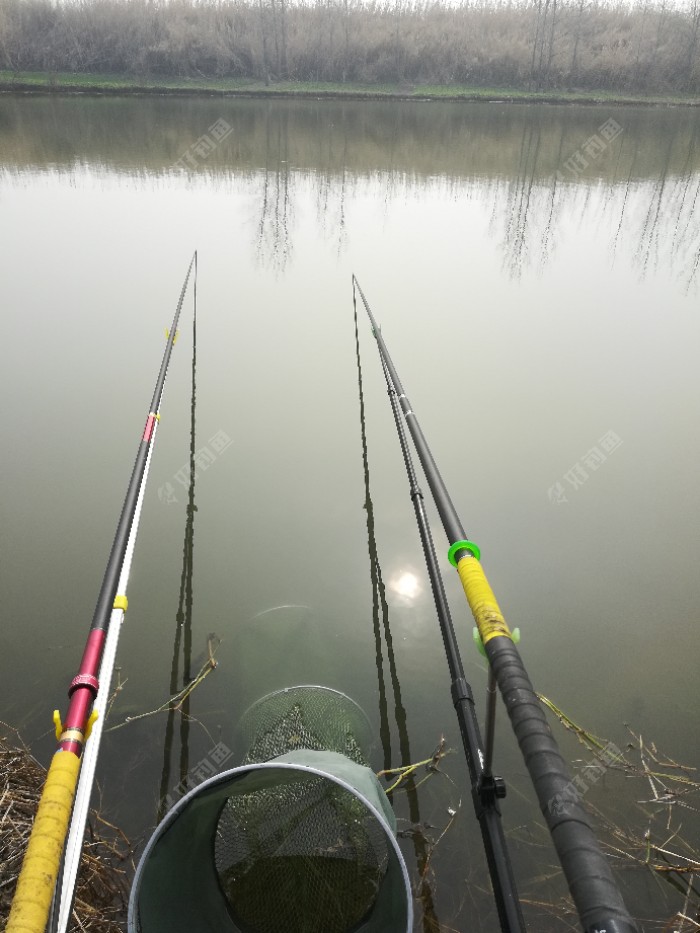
{"x":379,"y":600}
{"x":35,"y":886}
{"x":377,"y":579}
{"x":486,"y":800}
{"x":183,"y":617}
{"x":591,"y":883}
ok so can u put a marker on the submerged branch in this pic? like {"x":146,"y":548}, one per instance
{"x":175,"y":702}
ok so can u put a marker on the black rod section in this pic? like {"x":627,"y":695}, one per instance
{"x":593,"y":888}
{"x":448,"y":513}
{"x":485,"y":805}
{"x":108,"y":590}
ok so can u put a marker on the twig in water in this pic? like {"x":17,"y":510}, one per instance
{"x":175,"y":702}
{"x":405,"y":771}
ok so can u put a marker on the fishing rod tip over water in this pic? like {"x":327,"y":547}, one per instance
{"x":588,"y":873}
{"x":63,"y":805}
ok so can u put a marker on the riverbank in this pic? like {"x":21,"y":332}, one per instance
{"x":66,"y":83}
{"x":102,"y":889}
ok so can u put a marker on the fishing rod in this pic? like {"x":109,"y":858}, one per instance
{"x":485,"y":794}
{"x":40,"y":868}
{"x":594,"y":891}
{"x":379,"y":602}
{"x":64,"y":894}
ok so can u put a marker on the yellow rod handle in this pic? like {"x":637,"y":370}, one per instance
{"x":486,"y":611}
{"x":37,"y":878}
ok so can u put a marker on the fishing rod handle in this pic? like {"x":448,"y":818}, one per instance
{"x":587,"y":871}
{"x":35,"y":886}
{"x":588,"y":874}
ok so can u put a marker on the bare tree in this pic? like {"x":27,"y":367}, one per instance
{"x":553,"y":44}
{"x":692,"y":52}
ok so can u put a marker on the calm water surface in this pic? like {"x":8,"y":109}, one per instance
{"x":535,"y":272}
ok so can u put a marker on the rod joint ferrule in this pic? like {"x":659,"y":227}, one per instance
{"x":461,"y":691}
{"x":73,"y":735}
{"x":84,"y":680}
{"x":470,"y":546}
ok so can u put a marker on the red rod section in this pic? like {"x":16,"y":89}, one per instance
{"x":84,"y":686}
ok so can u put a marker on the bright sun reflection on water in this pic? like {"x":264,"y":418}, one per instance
{"x":406,"y":585}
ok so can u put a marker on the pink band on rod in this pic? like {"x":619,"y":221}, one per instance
{"x":148,"y":430}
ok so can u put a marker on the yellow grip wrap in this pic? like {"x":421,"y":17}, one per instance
{"x":120,"y":602}
{"x":487,"y":614}
{"x":32,"y":900}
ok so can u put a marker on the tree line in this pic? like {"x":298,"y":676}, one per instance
{"x":588,"y":45}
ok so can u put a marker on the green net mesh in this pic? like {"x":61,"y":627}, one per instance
{"x":306,"y":840}
{"x":311,"y":717}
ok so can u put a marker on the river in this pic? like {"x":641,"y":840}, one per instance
{"x":534,"y":270}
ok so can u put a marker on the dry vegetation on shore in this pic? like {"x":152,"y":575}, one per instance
{"x":101,"y":895}
{"x":593,"y":45}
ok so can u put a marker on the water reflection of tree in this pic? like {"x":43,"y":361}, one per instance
{"x":648,"y":247}
{"x":274,"y":241}
{"x":332,"y":190}
{"x":279,"y":180}
{"x":667,"y":233}
{"x":529,"y":207}
{"x":684,"y":243}
{"x":518,"y":200}
{"x":512,"y":159}
{"x":628,"y":185}
{"x":331,"y":199}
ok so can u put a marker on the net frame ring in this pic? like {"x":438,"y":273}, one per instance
{"x":176,"y":885}
{"x":362,"y":729}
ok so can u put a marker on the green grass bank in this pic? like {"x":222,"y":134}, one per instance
{"x":66,"y":83}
